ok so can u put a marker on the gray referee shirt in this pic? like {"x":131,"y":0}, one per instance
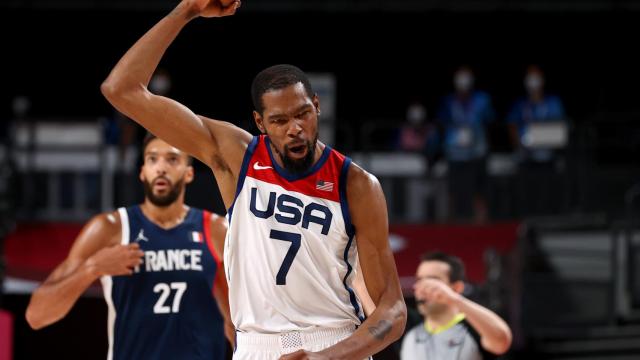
{"x":457,"y":342}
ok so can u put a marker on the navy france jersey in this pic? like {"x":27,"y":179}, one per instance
{"x":166,"y":308}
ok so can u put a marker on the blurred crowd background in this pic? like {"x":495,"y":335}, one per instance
{"x":504,"y":132}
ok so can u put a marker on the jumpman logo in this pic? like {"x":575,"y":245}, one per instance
{"x":257,"y":166}
{"x":141,"y":236}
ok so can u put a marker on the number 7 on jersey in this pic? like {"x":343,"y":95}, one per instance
{"x":281,"y":277}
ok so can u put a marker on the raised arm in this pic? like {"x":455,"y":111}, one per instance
{"x":219,"y":228}
{"x":495,"y":335}
{"x":91,"y":256}
{"x":368,"y":210}
{"x":218,"y":144}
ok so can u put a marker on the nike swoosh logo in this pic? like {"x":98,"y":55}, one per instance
{"x":257,"y":166}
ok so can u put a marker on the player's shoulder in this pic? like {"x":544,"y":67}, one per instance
{"x":218,"y":227}
{"x":360,"y":180}
{"x":107,"y":221}
{"x":216,"y":221}
{"x":104,"y":227}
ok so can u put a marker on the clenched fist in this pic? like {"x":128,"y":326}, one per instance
{"x":212,"y":8}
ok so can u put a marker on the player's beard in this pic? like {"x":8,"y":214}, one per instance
{"x":299,"y":166}
{"x":163,"y":200}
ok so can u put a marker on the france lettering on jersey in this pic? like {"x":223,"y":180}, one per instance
{"x":289,"y":252}
{"x":166,"y":309}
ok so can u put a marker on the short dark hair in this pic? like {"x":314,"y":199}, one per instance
{"x":149,"y":137}
{"x":274,"y":78}
{"x":456,"y":266}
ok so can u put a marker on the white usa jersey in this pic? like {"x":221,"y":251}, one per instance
{"x":290,"y":252}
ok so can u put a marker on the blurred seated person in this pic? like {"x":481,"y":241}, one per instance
{"x":464,"y":116}
{"x":536,"y":107}
{"x":418,"y":134}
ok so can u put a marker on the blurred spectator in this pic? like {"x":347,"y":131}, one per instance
{"x":418,"y":134}
{"x":539,"y":179}
{"x":534,"y":108}
{"x":25,"y":192}
{"x":464,"y":116}
{"x":20,"y":107}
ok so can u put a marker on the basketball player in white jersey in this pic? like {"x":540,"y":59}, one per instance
{"x":301,"y":215}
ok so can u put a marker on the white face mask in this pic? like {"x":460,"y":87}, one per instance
{"x":463,"y":81}
{"x":533,"y":83}
{"x":416,"y":114}
{"x":160,"y":84}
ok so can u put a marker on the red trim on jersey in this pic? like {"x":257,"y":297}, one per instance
{"x":324,"y":183}
{"x":206,"y":224}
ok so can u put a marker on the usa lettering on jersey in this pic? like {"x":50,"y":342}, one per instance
{"x":292,"y":211}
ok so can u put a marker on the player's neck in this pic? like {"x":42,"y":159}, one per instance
{"x":166,"y":217}
{"x":435,"y":321}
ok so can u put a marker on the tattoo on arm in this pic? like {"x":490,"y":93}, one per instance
{"x":380,"y":330}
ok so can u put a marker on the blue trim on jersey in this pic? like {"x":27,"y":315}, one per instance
{"x":243,"y":171}
{"x":293,"y":177}
{"x":352,"y":295}
{"x":351,"y":231}
{"x":344,"y":204}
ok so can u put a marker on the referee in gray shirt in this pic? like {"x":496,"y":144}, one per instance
{"x":455,"y":328}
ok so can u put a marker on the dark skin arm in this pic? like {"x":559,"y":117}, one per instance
{"x":219,"y":228}
{"x":96,"y":252}
{"x":368,"y":210}
{"x":218,"y":144}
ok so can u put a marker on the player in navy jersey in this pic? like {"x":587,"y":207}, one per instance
{"x":160,"y":267}
{"x":302,"y":217}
